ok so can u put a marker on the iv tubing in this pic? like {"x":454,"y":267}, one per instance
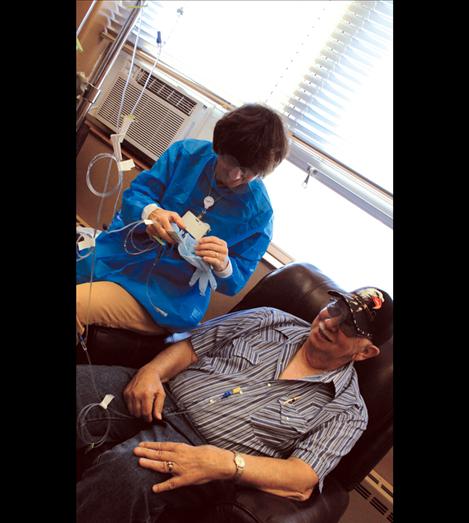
{"x":130,"y":73}
{"x":90,"y":186}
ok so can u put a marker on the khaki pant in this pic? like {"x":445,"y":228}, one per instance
{"x":111,"y":305}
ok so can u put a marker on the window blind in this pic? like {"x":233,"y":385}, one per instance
{"x":317,"y":108}
{"x":151,"y":11}
{"x":235,"y":49}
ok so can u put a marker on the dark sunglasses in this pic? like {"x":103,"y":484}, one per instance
{"x":347,"y":325}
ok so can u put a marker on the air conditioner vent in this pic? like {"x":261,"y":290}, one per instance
{"x":385,"y":489}
{"x":165,"y":92}
{"x":376,"y":480}
{"x":155,"y":124}
{"x":165,"y":111}
{"x":370,"y":502}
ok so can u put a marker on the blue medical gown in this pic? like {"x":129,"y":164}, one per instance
{"x":179,"y":181}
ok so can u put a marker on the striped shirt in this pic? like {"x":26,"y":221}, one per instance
{"x":316,"y":418}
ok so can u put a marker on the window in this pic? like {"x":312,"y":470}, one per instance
{"x":327,"y":66}
{"x":239,"y":50}
{"x":322,"y":228}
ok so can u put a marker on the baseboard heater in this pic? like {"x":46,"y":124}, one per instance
{"x":371,"y":501}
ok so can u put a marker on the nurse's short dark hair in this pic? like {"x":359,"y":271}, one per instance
{"x":253,"y":134}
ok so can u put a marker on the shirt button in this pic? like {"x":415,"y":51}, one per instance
{"x":269,"y":384}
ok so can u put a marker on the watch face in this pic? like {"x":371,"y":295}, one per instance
{"x":239,"y":460}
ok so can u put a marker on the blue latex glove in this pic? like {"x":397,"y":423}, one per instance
{"x":203,"y":272}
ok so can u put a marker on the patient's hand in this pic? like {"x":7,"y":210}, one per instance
{"x":144,"y":395}
{"x":187,"y":464}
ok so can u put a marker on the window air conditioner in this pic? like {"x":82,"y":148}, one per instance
{"x":165,"y":113}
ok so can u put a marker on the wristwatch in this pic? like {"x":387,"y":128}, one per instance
{"x":240,"y":464}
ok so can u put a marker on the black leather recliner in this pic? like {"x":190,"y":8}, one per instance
{"x":301,"y":289}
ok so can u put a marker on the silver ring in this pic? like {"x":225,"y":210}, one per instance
{"x":170,"y":466}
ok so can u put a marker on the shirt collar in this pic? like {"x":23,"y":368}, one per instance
{"x":296,"y":336}
{"x":340,"y":377}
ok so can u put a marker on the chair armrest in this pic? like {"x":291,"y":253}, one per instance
{"x":254,"y":506}
{"x":326,"y":507}
{"x":112,"y":346}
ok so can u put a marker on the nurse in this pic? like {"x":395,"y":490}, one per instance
{"x":218,"y":186}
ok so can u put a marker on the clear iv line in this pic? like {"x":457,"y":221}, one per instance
{"x":104,"y":194}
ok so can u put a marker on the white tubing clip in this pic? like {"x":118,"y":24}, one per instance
{"x":116,"y":145}
{"x":106,"y":400}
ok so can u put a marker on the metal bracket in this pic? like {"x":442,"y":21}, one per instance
{"x":91,"y":93}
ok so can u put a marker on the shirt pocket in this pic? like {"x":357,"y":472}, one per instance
{"x":278,"y":425}
{"x":237,"y":356}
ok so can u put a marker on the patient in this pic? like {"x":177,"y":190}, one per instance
{"x":257,"y":397}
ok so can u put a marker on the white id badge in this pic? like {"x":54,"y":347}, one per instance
{"x":195,"y":227}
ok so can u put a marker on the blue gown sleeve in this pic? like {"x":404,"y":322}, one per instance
{"x":148,"y":187}
{"x":244,"y":256}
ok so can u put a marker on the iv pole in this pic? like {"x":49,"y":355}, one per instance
{"x":107,"y":59}
{"x":83,"y":22}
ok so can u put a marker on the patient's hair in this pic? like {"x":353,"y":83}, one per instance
{"x":253,"y":134}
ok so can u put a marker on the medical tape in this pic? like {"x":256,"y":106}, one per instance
{"x":86,"y":243}
{"x":115,"y":140}
{"x":125,"y":165}
{"x":128,"y":119}
{"x":106,"y":400}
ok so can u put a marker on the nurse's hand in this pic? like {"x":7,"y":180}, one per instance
{"x":162,"y":224}
{"x":144,"y":394}
{"x":214,"y":251}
